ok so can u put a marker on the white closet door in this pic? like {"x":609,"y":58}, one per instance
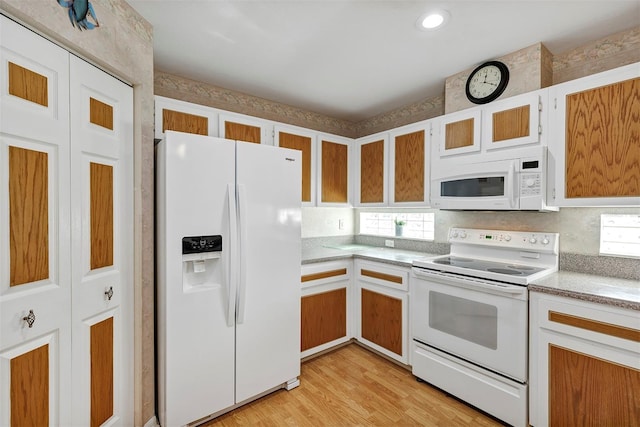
{"x":102,"y":246}
{"x":35,"y":354}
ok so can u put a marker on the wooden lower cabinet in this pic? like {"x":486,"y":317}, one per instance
{"x":382,"y":303}
{"x":324,"y":318}
{"x":584,"y":363}
{"x":325,"y":306}
{"x":381,"y":320}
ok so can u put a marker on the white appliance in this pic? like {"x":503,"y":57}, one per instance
{"x":513,"y":179}
{"x":228,"y":269}
{"x":469,"y":316}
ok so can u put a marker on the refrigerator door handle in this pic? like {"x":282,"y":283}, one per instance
{"x":231,"y":274}
{"x":242,"y":271}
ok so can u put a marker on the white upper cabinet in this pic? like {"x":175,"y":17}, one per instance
{"x":409,"y":165}
{"x":371,"y":170}
{"x":460,"y":132}
{"x":514,"y":121}
{"x":594,"y":147}
{"x":304,"y":140}
{"x":334,"y":164}
{"x":171,"y":114}
{"x":245,"y":128}
{"x":503,"y":124}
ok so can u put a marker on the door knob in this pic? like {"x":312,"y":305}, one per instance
{"x":30,"y":318}
{"x":109,"y":293}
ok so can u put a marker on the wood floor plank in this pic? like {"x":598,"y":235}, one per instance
{"x":352,"y":386}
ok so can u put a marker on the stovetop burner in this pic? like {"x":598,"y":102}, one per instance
{"x":507,"y":256}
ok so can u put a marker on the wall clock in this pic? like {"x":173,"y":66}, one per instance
{"x":487,"y":82}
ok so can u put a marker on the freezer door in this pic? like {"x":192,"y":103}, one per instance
{"x":195,"y":341}
{"x":268,"y":312}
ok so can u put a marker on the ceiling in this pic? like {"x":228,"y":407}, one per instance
{"x":354,"y":59}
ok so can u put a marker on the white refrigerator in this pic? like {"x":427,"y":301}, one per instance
{"x":228,"y":273}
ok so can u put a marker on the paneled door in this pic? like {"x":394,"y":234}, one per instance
{"x":35,"y":289}
{"x":102,"y":246}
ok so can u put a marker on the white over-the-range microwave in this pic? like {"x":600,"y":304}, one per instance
{"x":514,"y":179}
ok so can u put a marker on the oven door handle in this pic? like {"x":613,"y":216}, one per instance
{"x":471,"y":283}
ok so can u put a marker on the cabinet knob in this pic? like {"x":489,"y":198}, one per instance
{"x":109,"y":293}
{"x":30,"y":318}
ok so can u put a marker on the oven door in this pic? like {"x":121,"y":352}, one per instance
{"x":480,"y":321}
{"x":477,"y":186}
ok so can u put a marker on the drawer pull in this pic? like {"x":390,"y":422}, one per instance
{"x":595,"y":326}
{"x":323,"y":275}
{"x":30,"y":318}
{"x":381,"y":276}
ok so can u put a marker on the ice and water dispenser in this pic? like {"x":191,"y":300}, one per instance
{"x":201,"y":262}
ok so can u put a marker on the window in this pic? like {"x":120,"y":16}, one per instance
{"x":620,"y":235}
{"x":409,"y":225}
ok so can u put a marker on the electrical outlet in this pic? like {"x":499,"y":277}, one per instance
{"x":389,"y":243}
{"x":341,"y":224}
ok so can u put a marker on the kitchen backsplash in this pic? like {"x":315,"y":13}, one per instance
{"x":579,"y":230}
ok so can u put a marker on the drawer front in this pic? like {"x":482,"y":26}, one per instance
{"x":325,"y":272}
{"x":383,"y":275}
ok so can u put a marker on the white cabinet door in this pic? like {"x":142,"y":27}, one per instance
{"x":326,"y":306}
{"x":371,"y":170}
{"x":102,"y":246}
{"x":382,"y":307}
{"x":302,"y":140}
{"x":409,"y":165}
{"x":181,"y":116}
{"x":460,"y":132}
{"x":245,"y":128}
{"x":594,"y":147}
{"x":584,"y":363}
{"x":514,"y":121}
{"x":35,"y":359}
{"x":334,"y":166}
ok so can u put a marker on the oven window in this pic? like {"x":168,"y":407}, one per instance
{"x":466,"y":319}
{"x":473,"y":187}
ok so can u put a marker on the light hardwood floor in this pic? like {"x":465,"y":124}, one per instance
{"x":352,"y":386}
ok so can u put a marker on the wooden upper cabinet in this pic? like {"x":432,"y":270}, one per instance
{"x":334,"y":170}
{"x":180,"y":116}
{"x":299,"y":139}
{"x":409,"y":162}
{"x":371,"y":170}
{"x":603,"y":141}
{"x":243,"y":128}
{"x":513,"y":121}
{"x":460,"y":132}
{"x":596,"y":139}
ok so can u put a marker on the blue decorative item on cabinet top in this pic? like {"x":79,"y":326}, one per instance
{"x":79,"y":13}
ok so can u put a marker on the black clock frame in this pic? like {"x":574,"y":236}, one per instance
{"x":504,"y":71}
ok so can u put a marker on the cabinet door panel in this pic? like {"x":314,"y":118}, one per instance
{"x":381,"y":320}
{"x":460,"y":132}
{"x":603,"y":141}
{"x":511,"y":124}
{"x":242,"y":132}
{"x":324,"y":318}
{"x":184,"y":122}
{"x":335,"y":172}
{"x":409,"y":168}
{"x":585,"y":390}
{"x":305,"y":144}
{"x":372,"y":172}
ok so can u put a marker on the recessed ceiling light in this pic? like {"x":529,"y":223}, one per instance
{"x":433,"y":20}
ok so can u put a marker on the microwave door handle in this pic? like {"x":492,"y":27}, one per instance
{"x":511,"y":185}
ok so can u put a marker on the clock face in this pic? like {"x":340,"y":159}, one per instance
{"x":487,"y":82}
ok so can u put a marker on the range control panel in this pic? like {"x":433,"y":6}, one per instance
{"x":524,"y":240}
{"x":200,"y":244}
